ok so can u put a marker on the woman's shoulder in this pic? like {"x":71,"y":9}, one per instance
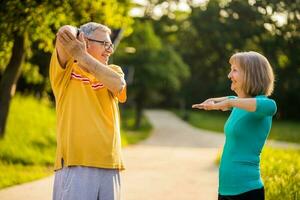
{"x":266,"y":104}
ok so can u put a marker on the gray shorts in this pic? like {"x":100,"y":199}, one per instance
{"x":86,"y":183}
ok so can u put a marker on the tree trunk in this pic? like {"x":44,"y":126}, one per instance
{"x":183,"y":110}
{"x":10,"y":78}
{"x":139,"y":110}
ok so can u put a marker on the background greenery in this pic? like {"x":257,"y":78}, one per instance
{"x":280,"y":171}
{"x":28,"y":150}
{"x":215,"y":120}
{"x":174,"y":54}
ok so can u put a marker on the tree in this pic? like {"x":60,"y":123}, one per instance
{"x":281,"y":44}
{"x":24,"y":23}
{"x":211,"y":35}
{"x":157,"y":66}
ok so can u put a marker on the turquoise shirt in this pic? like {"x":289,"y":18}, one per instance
{"x":246,"y":133}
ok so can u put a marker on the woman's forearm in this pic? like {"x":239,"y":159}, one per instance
{"x":248,"y":104}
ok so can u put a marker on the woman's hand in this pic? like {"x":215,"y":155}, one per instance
{"x":222,"y":103}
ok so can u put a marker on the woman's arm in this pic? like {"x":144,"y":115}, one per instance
{"x":217,"y":103}
{"x":261,"y":106}
{"x":226,"y":103}
{"x":248,"y":104}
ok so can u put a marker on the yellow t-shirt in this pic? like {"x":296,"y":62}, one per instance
{"x":88,"y":121}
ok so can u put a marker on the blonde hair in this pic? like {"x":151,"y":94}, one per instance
{"x":258,"y":73}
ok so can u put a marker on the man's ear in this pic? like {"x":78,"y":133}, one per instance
{"x":87,"y":42}
{"x":83,"y":38}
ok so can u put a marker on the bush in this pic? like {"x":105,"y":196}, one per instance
{"x":280,"y":170}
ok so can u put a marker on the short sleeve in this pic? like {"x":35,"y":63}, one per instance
{"x":265,"y":107}
{"x":122,"y":95}
{"x":59,"y":76}
{"x":231,"y":97}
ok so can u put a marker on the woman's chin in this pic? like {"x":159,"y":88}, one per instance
{"x":232,"y":88}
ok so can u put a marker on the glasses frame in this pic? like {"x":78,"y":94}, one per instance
{"x":107,"y":45}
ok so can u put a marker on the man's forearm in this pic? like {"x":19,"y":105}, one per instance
{"x":62,"y":55}
{"x":113,"y":81}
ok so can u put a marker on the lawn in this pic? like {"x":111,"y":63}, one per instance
{"x":280,"y":170}
{"x":28,"y":149}
{"x":130,"y":135}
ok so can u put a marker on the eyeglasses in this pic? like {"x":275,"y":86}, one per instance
{"x":107,"y":45}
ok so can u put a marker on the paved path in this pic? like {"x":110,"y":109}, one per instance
{"x":175,"y":163}
{"x":36,"y":190}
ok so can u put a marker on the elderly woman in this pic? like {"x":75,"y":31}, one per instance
{"x":247,"y":127}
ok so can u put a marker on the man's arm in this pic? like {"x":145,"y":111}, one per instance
{"x":111,"y":79}
{"x":62,"y":54}
{"x":77,"y":49}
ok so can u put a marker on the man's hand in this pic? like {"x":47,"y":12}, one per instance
{"x":74,"y":47}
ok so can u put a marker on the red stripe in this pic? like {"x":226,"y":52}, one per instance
{"x":87,"y":81}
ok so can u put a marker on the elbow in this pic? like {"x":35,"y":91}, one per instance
{"x":120,"y":86}
{"x":65,"y":27}
{"x":69,"y":28}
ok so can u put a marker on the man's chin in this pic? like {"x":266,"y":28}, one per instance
{"x":104,"y":62}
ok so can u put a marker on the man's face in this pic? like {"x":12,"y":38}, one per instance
{"x":99,"y":45}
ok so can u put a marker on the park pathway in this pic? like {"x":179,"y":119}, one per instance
{"x":177,"y":162}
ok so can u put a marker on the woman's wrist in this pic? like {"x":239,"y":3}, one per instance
{"x":231,"y":103}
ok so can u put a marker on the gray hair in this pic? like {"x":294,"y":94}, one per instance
{"x":89,"y":28}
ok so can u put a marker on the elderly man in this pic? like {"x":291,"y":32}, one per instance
{"x":87,"y":91}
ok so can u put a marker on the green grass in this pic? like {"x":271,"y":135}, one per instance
{"x":129,"y":134}
{"x":280,"y":171}
{"x":214,"y":120}
{"x":28,"y":149}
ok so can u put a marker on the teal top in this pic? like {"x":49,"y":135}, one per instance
{"x":246,"y":133}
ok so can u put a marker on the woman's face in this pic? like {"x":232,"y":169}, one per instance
{"x":236,"y":75}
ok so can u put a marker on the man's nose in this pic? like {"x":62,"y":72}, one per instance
{"x":110,"y":50}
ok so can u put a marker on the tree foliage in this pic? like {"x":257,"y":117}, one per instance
{"x":33,"y":23}
{"x":157,"y":67}
{"x":220,"y":29}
